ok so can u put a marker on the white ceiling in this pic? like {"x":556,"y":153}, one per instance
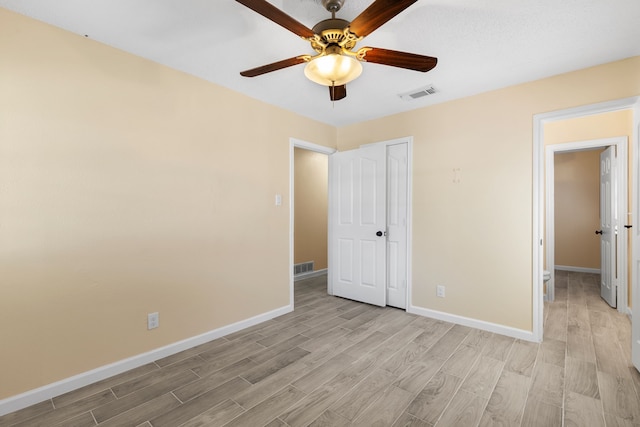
{"x":480,"y":45}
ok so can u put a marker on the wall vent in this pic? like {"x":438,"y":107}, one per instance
{"x":302,"y":268}
{"x":418,"y":93}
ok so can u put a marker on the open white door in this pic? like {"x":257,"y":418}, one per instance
{"x":357,"y":232}
{"x":607,"y":227}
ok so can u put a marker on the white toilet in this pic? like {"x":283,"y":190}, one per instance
{"x":546,"y":276}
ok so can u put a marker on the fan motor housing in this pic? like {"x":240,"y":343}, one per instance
{"x":333,"y":5}
{"x":333,"y":32}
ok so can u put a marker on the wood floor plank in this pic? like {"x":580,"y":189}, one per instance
{"x":417,"y":375}
{"x":364,"y":346}
{"x":211,"y":381}
{"x":403,"y":358}
{"x":139,"y":414}
{"x":581,"y":377}
{"x":522,"y":358}
{"x":434,"y":332}
{"x":315,"y":331}
{"x":200,"y":404}
{"x":292,"y":372}
{"x":553,"y":352}
{"x":363,"y":394}
{"x":321,"y":399}
{"x":483,"y":376}
{"x":191,"y":352}
{"x":82,"y":420}
{"x":281,"y":347}
{"x":283,"y":335}
{"x":273,"y":365}
{"x":609,"y":356}
{"x":445,"y":346}
{"x":91,"y":389}
{"x":70,"y":411}
{"x":29,"y":412}
{"x":330,"y":419}
{"x":385,"y":410}
{"x":507,"y":401}
{"x":154,"y":377}
{"x":580,"y":346}
{"x":461,"y":361}
{"x":613,"y":421}
{"x":142,"y":396}
{"x":618,"y":397}
{"x":548,"y":384}
{"x":498,"y":347}
{"x":464,"y":410}
{"x":269,"y":409}
{"x":541,"y":414}
{"x":323,"y":373}
{"x":582,"y":411}
{"x":429,"y":404}
{"x":408,"y":420}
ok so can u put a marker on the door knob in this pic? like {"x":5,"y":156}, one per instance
{"x":598,"y":231}
{"x":379,"y":234}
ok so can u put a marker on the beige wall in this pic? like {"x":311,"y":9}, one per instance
{"x":126,"y":188}
{"x":577,"y":209}
{"x":475,"y":237}
{"x":311,"y":207}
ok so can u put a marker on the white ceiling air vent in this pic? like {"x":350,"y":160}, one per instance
{"x":418,"y":93}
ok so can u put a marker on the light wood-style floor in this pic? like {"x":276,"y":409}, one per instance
{"x":335,"y":362}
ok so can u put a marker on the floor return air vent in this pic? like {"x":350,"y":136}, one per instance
{"x":303,"y":267}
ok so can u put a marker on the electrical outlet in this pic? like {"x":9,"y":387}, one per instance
{"x":153,"y":320}
{"x":440,"y":291}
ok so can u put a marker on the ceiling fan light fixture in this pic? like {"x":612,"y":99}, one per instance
{"x":333,"y":69}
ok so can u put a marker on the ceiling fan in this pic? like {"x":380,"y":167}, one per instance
{"x":336,"y":63}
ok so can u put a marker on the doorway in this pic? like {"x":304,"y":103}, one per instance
{"x":615,"y":277}
{"x":538,"y":242}
{"x":295,"y":144}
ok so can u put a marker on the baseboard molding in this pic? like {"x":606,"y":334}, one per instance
{"x":474,"y":323}
{"x":577,"y":269}
{"x":309,"y":274}
{"x":49,"y":391}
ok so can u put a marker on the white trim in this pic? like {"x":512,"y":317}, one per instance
{"x":31,"y":397}
{"x":622,"y":179}
{"x":474,"y":323}
{"x":309,"y":274}
{"x":293,"y":143}
{"x":578,"y":269}
{"x":539,"y":120}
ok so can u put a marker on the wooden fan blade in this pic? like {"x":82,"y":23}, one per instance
{"x":336,"y":93}
{"x":411,"y":61}
{"x":379,"y":12}
{"x":273,"y":67}
{"x":271,"y":12}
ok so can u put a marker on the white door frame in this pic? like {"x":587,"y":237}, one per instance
{"x":297,"y":143}
{"x":409,"y":141}
{"x":539,"y":120}
{"x":621,"y":204}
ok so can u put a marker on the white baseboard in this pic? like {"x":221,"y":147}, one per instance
{"x":578,"y":269}
{"x":309,"y":274}
{"x":474,"y":323}
{"x":31,"y":397}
